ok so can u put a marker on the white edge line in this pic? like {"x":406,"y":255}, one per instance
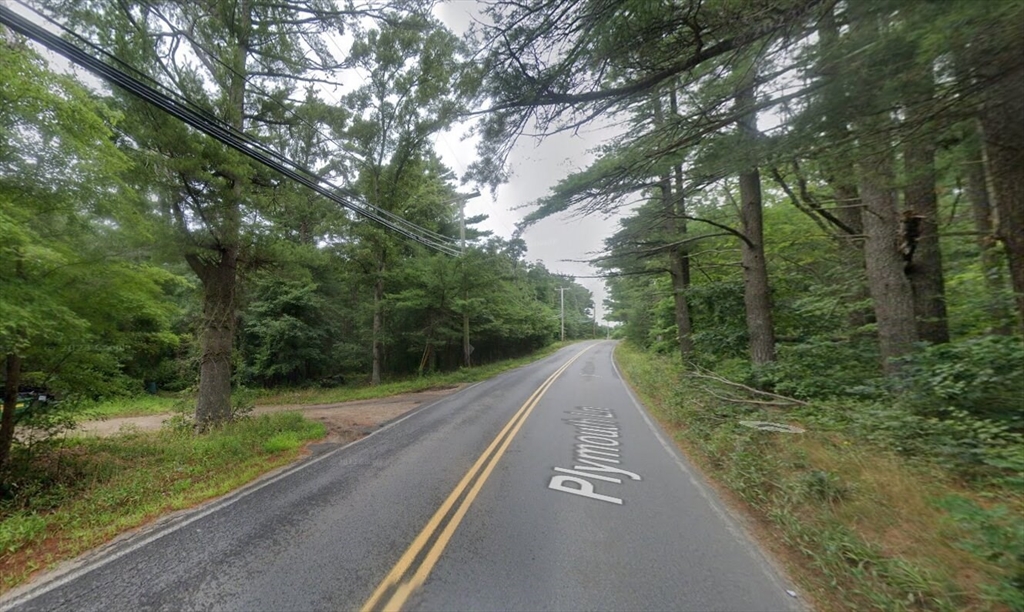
{"x":733,"y":522}
{"x":76,"y":568}
{"x":59,"y":578}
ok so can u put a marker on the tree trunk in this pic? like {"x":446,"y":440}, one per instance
{"x":679,"y":266}
{"x":679,"y":257}
{"x":213,"y":402}
{"x":674,"y":228}
{"x":921,"y":212}
{"x":13,"y":372}
{"x":676,"y":271}
{"x":378,"y":324}
{"x":467,"y":353}
{"x":836,"y":166}
{"x":848,"y":210}
{"x":756,"y":290}
{"x":217,"y":266}
{"x":991,"y":263}
{"x":1002,"y":122}
{"x":890,"y":289}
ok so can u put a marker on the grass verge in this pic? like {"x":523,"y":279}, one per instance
{"x":62,"y":500}
{"x":858,"y":526}
{"x":162,"y":404}
{"x":404,"y":385}
{"x":140,"y":405}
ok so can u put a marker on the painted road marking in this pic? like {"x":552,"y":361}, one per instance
{"x":73,"y":570}
{"x":405,"y":577}
{"x":598,"y":446}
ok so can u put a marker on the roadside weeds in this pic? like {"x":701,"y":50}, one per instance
{"x":169,"y":402}
{"x":84,"y":491}
{"x":857,"y":526}
{"x":68,"y":495}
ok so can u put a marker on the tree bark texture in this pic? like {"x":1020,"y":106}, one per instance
{"x":679,"y":267}
{"x":13,"y":373}
{"x":679,"y":256}
{"x":213,"y":401}
{"x":890,"y":289}
{"x":756,"y":290}
{"x":679,"y":264}
{"x":921,"y":228}
{"x":216,"y":266}
{"x":1002,"y":122}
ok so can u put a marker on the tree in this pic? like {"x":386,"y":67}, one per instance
{"x":79,"y":301}
{"x":863,"y":85}
{"x":677,"y":253}
{"x":756,"y":290}
{"x":921,"y":208}
{"x":414,"y":88}
{"x":228,"y":58}
{"x":996,"y":51}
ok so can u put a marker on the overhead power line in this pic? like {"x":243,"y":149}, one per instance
{"x":226,"y":134}
{"x":115,"y":60}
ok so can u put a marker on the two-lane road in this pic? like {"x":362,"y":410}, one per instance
{"x":544,"y":488}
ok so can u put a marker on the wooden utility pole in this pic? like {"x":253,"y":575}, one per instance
{"x":467,"y":349}
{"x":561,"y":293}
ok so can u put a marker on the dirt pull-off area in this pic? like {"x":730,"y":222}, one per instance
{"x":344,"y":420}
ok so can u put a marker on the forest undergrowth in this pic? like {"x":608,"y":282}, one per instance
{"x":874,"y":506}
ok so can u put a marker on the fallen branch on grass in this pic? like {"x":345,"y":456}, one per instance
{"x":782,"y":399}
{"x":739,"y":400}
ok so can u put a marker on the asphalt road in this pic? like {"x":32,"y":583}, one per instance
{"x":544,"y":488}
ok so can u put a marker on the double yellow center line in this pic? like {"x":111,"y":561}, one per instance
{"x":414,"y":566}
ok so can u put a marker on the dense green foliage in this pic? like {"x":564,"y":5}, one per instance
{"x":868,"y":152}
{"x":876,"y":141}
{"x":870,"y":501}
{"x":880,"y":152}
{"x":138,"y":254}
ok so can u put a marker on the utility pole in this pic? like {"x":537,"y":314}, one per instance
{"x":561,"y":293}
{"x":467,"y":349}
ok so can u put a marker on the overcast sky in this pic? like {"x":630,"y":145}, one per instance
{"x":536,"y":166}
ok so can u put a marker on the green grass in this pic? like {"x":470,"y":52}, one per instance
{"x":130,"y":406}
{"x":162,"y":404}
{"x":405,"y":385}
{"x":858,"y":526}
{"x":62,"y":500}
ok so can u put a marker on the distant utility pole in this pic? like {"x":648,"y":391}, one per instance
{"x":467,"y":349}
{"x":561,"y":293}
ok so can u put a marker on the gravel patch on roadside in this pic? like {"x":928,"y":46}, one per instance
{"x":344,"y":420}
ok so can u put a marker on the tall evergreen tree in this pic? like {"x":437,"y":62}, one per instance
{"x":227,"y":57}
{"x":414,"y":88}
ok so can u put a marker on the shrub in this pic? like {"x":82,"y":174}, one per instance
{"x":286,"y":440}
{"x":995,"y":534}
{"x":818,"y":368}
{"x":982,"y":377}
